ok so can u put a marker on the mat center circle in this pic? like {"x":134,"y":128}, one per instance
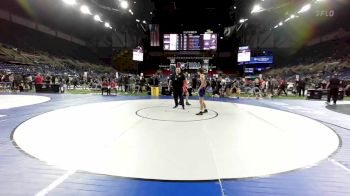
{"x":165,"y":113}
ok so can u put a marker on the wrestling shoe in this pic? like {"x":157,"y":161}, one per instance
{"x":199,"y":113}
{"x":205,"y":111}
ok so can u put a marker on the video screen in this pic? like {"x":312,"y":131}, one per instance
{"x":210,"y":41}
{"x":249,"y":70}
{"x":188,"y":42}
{"x":137,"y":55}
{"x":261,"y":60}
{"x":170,"y":42}
{"x":244,"y":54}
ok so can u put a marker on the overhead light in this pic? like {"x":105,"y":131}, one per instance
{"x":124,"y":4}
{"x":85,"y":10}
{"x":305,"y":8}
{"x":97,"y":18}
{"x":288,"y":19}
{"x":292,"y":16}
{"x":144,"y":22}
{"x":234,"y":7}
{"x":151,"y":13}
{"x":256,"y":9}
{"x":280,"y":24}
{"x":137,"y":20}
{"x":107,"y":25}
{"x":243,"y":20}
{"x":275,"y":27}
{"x":70,"y":2}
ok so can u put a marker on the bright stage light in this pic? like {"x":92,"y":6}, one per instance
{"x":97,"y":18}
{"x":144,"y":22}
{"x":257,"y":9}
{"x":85,"y":10}
{"x":292,"y":16}
{"x":70,"y":2}
{"x":137,"y":20}
{"x":124,"y":4}
{"x":305,"y":8}
{"x":276,"y":26}
{"x":280,"y":24}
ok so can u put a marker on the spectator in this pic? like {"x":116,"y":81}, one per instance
{"x":282,"y":87}
{"x":38,"y":79}
{"x":105,"y":87}
{"x":347,"y":90}
{"x":142,"y":84}
{"x":113,"y":85}
{"x":301,"y":87}
{"x":333,"y":87}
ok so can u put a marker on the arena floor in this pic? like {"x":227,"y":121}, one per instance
{"x":113,"y":145}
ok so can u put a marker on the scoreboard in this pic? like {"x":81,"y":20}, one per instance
{"x":174,"y":42}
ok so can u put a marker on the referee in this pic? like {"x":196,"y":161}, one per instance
{"x":177,"y":81}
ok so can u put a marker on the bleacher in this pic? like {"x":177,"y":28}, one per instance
{"x":31,"y":41}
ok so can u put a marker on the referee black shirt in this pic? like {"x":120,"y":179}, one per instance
{"x":334,"y":83}
{"x":177,"y":81}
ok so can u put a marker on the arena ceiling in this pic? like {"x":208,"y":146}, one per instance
{"x":172,"y":15}
{"x":195,"y":15}
{"x":276,"y":11}
{"x":68,"y":19}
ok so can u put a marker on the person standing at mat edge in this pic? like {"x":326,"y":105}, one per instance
{"x":201,"y":92}
{"x":177,"y":81}
{"x":333,"y":87}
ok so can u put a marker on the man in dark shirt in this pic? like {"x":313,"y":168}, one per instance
{"x":333,"y":87}
{"x":177,"y":81}
{"x":301,"y":87}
